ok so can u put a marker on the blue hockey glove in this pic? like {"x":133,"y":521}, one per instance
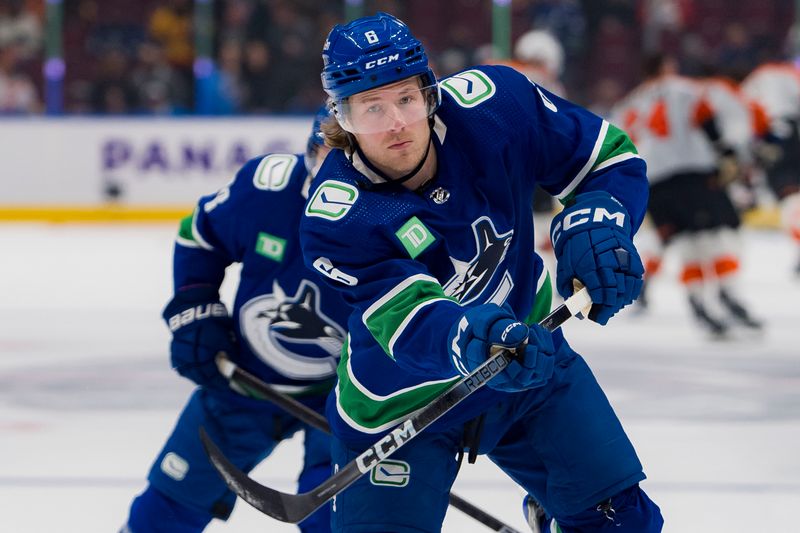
{"x":201,"y":328}
{"x":485,"y":326}
{"x":592,"y":243}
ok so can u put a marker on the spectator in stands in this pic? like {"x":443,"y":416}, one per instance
{"x":662,"y":23}
{"x":605,"y":94}
{"x":112,"y":90}
{"x":171,"y":25}
{"x":738,"y":53}
{"x":21,"y":27}
{"x":565,"y":20}
{"x":257,"y":76}
{"x":160,"y":89}
{"x":17,"y":92}
{"x":222,"y":95}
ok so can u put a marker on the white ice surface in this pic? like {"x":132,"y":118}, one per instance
{"x":87,"y":396}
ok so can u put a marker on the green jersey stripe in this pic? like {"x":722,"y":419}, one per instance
{"x":368,"y":412}
{"x":388,"y":317}
{"x":611,"y":147}
{"x":616,"y":144}
{"x":411,"y":314}
{"x":185,"y":237}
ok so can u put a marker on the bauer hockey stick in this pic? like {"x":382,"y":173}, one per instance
{"x":243,"y":381}
{"x":294,"y":508}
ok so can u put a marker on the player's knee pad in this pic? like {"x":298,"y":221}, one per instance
{"x":628,"y":511}
{"x":153,"y":512}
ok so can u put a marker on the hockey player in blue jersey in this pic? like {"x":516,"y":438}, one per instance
{"x":423,"y":221}
{"x":286,"y":328}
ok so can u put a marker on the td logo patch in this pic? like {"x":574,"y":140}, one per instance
{"x":469,"y":88}
{"x":332,"y":200}
{"x":391,"y":474}
{"x":270,"y":246}
{"x":415,"y":237}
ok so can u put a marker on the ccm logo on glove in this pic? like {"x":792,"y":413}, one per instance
{"x":504,"y":335}
{"x":583,"y":216}
{"x":199,"y":312}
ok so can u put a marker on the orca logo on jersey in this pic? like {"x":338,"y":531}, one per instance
{"x":471,"y":278}
{"x":584,"y":216}
{"x":291,"y":333}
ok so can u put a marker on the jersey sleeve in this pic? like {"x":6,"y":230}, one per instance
{"x":574,"y":151}
{"x":209,"y":239}
{"x":396,"y":302}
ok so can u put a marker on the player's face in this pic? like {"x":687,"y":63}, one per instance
{"x":391,"y":125}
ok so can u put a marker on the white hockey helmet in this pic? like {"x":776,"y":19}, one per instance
{"x":540,"y":46}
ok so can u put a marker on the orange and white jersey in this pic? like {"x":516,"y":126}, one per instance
{"x":739,"y":120}
{"x":776,"y":88}
{"x":663,"y":117}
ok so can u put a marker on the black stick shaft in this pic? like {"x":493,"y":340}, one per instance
{"x":258,"y":388}
{"x":294,"y":508}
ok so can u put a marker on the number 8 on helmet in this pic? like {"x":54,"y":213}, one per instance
{"x":372,"y":54}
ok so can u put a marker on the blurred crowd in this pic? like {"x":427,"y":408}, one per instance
{"x":125,"y":57}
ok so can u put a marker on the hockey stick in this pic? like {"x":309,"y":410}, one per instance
{"x":293,"y":508}
{"x":244,"y":381}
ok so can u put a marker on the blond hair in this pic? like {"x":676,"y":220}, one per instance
{"x":335,"y":136}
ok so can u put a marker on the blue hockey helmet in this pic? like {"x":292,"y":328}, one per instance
{"x":372,"y":52}
{"x":316,"y":139}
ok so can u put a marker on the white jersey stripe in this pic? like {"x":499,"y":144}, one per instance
{"x":616,"y":159}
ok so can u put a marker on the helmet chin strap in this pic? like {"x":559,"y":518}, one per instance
{"x":390,"y":181}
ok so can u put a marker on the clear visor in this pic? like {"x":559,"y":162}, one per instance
{"x":387,"y":108}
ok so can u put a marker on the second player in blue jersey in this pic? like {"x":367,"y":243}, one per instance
{"x":285,"y":327}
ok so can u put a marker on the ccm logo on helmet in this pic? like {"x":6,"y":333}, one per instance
{"x":382,"y":61}
{"x":582,"y":216}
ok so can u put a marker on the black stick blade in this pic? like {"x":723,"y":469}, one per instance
{"x":269,"y":501}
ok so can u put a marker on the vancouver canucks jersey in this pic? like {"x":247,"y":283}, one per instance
{"x":290,"y":327}
{"x":410,"y":261}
